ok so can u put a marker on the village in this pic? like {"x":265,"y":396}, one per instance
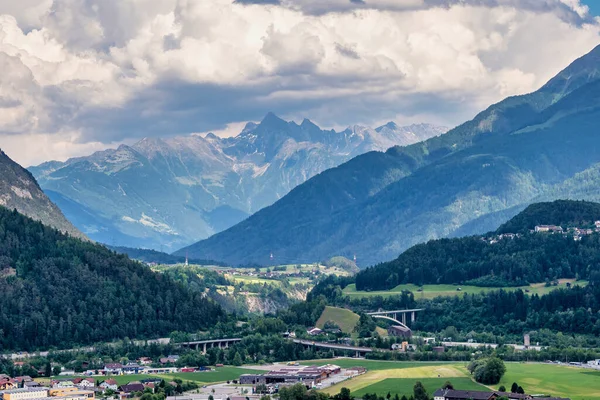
{"x":576,"y":232}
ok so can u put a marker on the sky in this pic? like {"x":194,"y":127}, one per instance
{"x":83,"y":75}
{"x":593,"y":6}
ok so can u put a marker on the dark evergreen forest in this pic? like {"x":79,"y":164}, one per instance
{"x":60,"y":291}
{"x":474,"y":260}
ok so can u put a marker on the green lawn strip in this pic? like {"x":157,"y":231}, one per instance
{"x":221,"y":374}
{"x":556,"y":380}
{"x":373,"y":365}
{"x":404,"y":386}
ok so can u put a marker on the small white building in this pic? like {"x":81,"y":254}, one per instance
{"x":314,"y":331}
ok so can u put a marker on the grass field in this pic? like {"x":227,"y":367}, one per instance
{"x":218,"y":375}
{"x":575,"y":383}
{"x":221,"y":374}
{"x":399,"y":377}
{"x":374,"y":365}
{"x":431,"y":291}
{"x":374,"y":380}
{"x":252,"y":279}
{"x":345,"y":318}
{"x":404,"y":386}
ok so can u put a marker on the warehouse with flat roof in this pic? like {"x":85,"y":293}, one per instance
{"x":311,"y":375}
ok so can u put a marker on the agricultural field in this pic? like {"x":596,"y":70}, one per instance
{"x":557,"y":380}
{"x":392,"y":380}
{"x":221,"y":374}
{"x":345,"y":319}
{"x":399,"y":377}
{"x":405,"y":386}
{"x":431,"y":291}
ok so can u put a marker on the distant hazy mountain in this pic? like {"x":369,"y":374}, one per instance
{"x":19,"y":190}
{"x":528,"y":148}
{"x":165,"y":194}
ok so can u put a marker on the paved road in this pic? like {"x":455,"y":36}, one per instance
{"x":492,"y":345}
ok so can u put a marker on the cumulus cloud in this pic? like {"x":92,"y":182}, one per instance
{"x":79,"y":75}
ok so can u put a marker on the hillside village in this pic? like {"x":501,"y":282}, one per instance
{"x":576,"y":232}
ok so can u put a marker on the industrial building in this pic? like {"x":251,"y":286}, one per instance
{"x":310,"y":375}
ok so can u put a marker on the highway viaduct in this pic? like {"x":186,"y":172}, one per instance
{"x":207,"y":344}
{"x":334,"y":346}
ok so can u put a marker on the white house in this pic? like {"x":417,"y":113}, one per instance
{"x":109,"y":384}
{"x":114,"y":368}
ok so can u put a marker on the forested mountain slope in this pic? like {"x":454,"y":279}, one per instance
{"x":511,"y":154}
{"x":61,"y":291}
{"x":498,"y":259}
{"x":19,"y":190}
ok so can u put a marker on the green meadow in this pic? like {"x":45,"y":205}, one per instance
{"x":432,"y":291}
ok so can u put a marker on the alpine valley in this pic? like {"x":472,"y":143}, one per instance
{"x":165,"y":194}
{"x":540,"y":146}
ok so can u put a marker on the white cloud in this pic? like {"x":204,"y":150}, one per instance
{"x":113,"y":70}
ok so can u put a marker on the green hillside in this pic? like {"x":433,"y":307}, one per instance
{"x":61,"y":291}
{"x":344,"y":318}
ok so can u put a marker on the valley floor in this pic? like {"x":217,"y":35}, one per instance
{"x":399,"y":377}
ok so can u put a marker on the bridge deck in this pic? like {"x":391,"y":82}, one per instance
{"x":395,"y":311}
{"x":333,"y":346}
{"x":210,"y":341}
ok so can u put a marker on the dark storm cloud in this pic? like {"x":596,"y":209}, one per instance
{"x":172,"y":108}
{"x":323,"y":7}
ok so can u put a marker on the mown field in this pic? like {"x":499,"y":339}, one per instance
{"x":399,"y":377}
{"x":345,"y":319}
{"x":405,"y":386}
{"x":221,"y":374}
{"x":431,"y":291}
{"x":394,"y":380}
{"x":563,"y":381}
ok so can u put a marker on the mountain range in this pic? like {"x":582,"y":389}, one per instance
{"x":19,"y":190}
{"x":539,"y":146}
{"x":167,"y":193}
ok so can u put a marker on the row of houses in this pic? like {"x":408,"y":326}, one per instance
{"x":452,"y":394}
{"x":577,"y":233}
{"x":144,"y":365}
{"x":79,"y":389}
{"x":109,"y":384}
